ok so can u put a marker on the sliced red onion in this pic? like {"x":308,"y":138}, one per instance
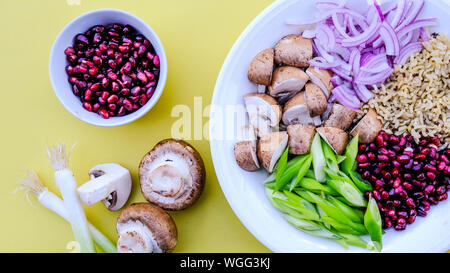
{"x":346,"y":97}
{"x":375,"y":78}
{"x":398,"y":13}
{"x":417,"y":6}
{"x":363,"y":92}
{"x":417,"y":24}
{"x":365,"y":36}
{"x":390,"y":39}
{"x":309,"y":33}
{"x":407,"y":51}
{"x":336,"y":80}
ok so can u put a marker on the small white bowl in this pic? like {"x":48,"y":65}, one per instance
{"x":58,"y":62}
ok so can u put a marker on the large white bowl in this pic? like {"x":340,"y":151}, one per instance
{"x":59,"y":78}
{"x":245,"y":191}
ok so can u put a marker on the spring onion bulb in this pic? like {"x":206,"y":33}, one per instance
{"x":32,"y":184}
{"x":67,"y":185}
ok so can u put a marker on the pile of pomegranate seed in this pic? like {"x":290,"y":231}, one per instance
{"x":112,"y":69}
{"x":407,"y":177}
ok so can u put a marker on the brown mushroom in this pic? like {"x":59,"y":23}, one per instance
{"x":287,"y":81}
{"x":264,"y":112}
{"x":261,"y":67}
{"x":293,"y":50}
{"x":270,"y":148}
{"x":300,"y":138}
{"x":335,"y":137}
{"x":145,"y":228}
{"x":245,"y":151}
{"x":296,"y":112}
{"x":322,"y":78}
{"x":172,"y":175}
{"x":340,"y":117}
{"x":368,"y":127}
{"x":315,"y":100}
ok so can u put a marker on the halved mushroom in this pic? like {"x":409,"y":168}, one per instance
{"x":293,"y":50}
{"x":368,"y":127}
{"x":335,"y":137}
{"x":340,"y":117}
{"x":172,"y":175}
{"x":110,"y":183}
{"x":245,"y":150}
{"x":261,"y":67}
{"x":287,"y":81}
{"x":296,"y":112}
{"x":264,"y":112}
{"x":322,"y":78}
{"x":315,"y":100}
{"x":300,"y":138}
{"x":144,"y":228}
{"x":270,"y":148}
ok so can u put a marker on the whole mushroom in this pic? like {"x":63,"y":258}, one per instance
{"x":110,"y":183}
{"x":264,"y":112}
{"x":270,"y":148}
{"x":261,"y":68}
{"x":172,"y":175}
{"x":287,"y":81}
{"x":293,"y":50}
{"x":368,"y":127}
{"x":145,"y":228}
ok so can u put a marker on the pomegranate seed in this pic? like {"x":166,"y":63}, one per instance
{"x":442,"y":197}
{"x":429,"y":189}
{"x":410,"y":202}
{"x":379,"y":140}
{"x":403,"y":159}
{"x":87,"y":106}
{"x":156,"y":61}
{"x":441,"y":190}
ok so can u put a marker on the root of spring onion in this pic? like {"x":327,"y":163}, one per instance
{"x":32,"y":184}
{"x":67,"y":185}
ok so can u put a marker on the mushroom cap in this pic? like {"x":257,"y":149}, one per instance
{"x":287,"y":81}
{"x":110,"y":183}
{"x":300,"y":138}
{"x":368,"y":127}
{"x":172,"y":175}
{"x":322,"y":78}
{"x":340,"y":117}
{"x":296,"y":111}
{"x":270,"y":148}
{"x":293,"y":50}
{"x":335,"y":137}
{"x":151,"y":220}
{"x":264,"y":112}
{"x":315,"y":100}
{"x":261,"y":67}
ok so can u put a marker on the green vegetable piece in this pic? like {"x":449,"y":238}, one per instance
{"x":372,"y":222}
{"x":302,"y":171}
{"x":340,"y":158}
{"x":305,"y":195}
{"x":323,"y":233}
{"x":312,"y":184}
{"x":321,"y":214}
{"x":343,"y":227}
{"x":355,"y":215}
{"x":310,"y":174}
{"x":274,"y":194}
{"x":318,"y":158}
{"x":297,"y":210}
{"x":355,"y":241}
{"x":349,"y":192}
{"x":330,"y":156}
{"x":301,"y":224}
{"x":339,"y":175}
{"x":290,"y":172}
{"x":281,"y":167}
{"x":360,"y":183}
{"x":350,"y":153}
{"x":289,"y":166}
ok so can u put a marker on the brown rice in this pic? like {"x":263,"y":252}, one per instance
{"x":415,"y":99}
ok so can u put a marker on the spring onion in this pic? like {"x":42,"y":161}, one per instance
{"x":318,"y":158}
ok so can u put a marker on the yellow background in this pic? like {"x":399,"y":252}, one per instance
{"x":197,"y":35}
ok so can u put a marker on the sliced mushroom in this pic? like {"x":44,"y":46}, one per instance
{"x":315,"y":100}
{"x":264,"y":112}
{"x":368,"y":127}
{"x":322,"y":78}
{"x":110,"y":183}
{"x":245,"y":151}
{"x":172,"y":175}
{"x":145,"y":228}
{"x":335,"y":137}
{"x":293,"y":50}
{"x":270,"y":148}
{"x":296,"y":111}
{"x":340,"y":117}
{"x":261,"y":67}
{"x":300,"y":138}
{"x":287,"y":81}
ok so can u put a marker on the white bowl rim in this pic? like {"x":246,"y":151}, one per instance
{"x":118,"y":121}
